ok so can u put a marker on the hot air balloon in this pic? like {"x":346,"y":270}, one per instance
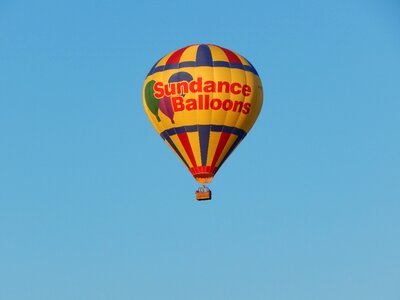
{"x":202,"y":100}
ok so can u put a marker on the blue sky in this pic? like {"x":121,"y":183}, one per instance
{"x":93,"y":204}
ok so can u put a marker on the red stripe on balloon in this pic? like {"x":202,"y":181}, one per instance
{"x":221,"y":145}
{"x":183,"y":137}
{"x":232,"y":57}
{"x":176,"y":56}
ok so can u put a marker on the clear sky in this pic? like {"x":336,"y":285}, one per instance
{"x":93,"y":204}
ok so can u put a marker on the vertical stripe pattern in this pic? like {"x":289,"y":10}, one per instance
{"x":203,"y":57}
{"x":197,"y":163}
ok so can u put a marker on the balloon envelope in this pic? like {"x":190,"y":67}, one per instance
{"x":202,"y":100}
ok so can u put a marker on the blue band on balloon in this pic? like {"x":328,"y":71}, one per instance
{"x":213,"y":128}
{"x":190,"y":64}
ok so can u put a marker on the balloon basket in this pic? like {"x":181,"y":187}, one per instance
{"x":203,"y":193}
